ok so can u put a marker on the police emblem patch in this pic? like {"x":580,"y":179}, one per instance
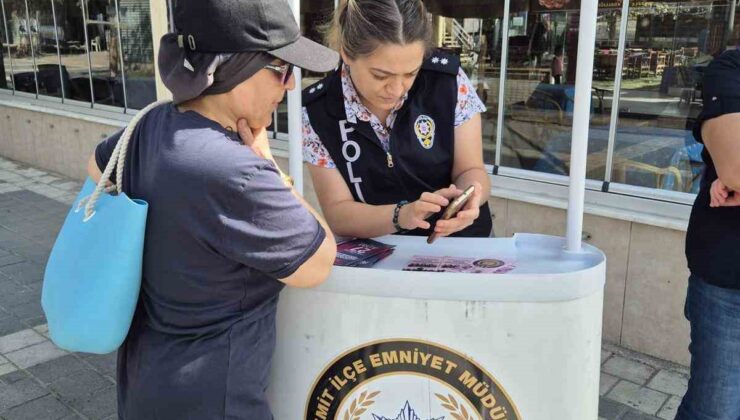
{"x":424,"y":130}
{"x":406,"y":379}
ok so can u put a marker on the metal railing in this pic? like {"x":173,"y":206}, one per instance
{"x":25,"y":27}
{"x":457,"y":31}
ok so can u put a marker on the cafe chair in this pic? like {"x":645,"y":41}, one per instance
{"x":95,"y":44}
{"x":646,"y":175}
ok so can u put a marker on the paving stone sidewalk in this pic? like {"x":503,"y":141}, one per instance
{"x":41,"y":382}
{"x":635,"y":386}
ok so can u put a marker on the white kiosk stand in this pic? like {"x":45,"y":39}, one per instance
{"x":387,"y":344}
{"x":521,"y":345}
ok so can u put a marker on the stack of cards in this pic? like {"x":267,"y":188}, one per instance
{"x":361,"y":253}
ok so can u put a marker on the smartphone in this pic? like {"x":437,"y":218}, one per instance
{"x":451,"y":210}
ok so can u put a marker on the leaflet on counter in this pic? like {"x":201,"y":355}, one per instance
{"x":459,"y":265}
{"x":361,"y":253}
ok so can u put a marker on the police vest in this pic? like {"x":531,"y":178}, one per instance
{"x":421,"y":141}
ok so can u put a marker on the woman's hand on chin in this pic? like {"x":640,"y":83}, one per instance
{"x":255,"y":138}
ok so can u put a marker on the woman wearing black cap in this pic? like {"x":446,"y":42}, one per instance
{"x":387,"y":134}
{"x":224,"y":232}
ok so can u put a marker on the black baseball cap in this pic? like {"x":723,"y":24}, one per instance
{"x":234,"y":26}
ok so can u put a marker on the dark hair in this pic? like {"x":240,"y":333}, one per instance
{"x":361,"y":26}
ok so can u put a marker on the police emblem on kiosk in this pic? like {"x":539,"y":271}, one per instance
{"x":424,"y":129}
{"x":406,"y":379}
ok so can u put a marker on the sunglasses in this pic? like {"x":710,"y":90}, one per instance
{"x":284,"y":70}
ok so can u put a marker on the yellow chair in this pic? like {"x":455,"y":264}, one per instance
{"x":623,"y":168}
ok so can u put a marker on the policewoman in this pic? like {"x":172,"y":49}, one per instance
{"x":394,"y":134}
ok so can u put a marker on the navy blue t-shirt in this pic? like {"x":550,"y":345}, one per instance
{"x":221,"y":229}
{"x":713,"y":235}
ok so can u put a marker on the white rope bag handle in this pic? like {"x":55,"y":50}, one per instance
{"x":117,"y":161}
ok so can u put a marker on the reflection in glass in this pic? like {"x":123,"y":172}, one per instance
{"x":44,"y":35}
{"x":668,"y":47}
{"x":138,"y":53}
{"x":73,"y":50}
{"x":45,"y":43}
{"x":472,"y":30}
{"x":315,"y":15}
{"x":105,"y":59}
{"x":540,"y":85}
{"x":22,"y":33}
{"x":6,"y":67}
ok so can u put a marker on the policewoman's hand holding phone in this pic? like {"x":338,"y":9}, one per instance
{"x":413,"y":215}
{"x":459,"y":214}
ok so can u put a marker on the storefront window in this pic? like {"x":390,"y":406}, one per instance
{"x":100,"y":52}
{"x":103,"y":50}
{"x":23,"y":33}
{"x":668,"y":47}
{"x":485,"y":73}
{"x":136,"y":47}
{"x":472,"y":30}
{"x":315,"y":15}
{"x":45,"y":60}
{"x":72,"y":49}
{"x":6,"y":70}
{"x":540,"y":86}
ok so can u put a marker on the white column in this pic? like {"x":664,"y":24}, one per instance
{"x":581,"y":119}
{"x":295,"y":137}
{"x":502,"y":82}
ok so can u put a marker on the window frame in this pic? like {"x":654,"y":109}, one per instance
{"x":115,"y":23}
{"x":602,"y":197}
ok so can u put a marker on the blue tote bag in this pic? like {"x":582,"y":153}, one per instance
{"x":93,"y":276}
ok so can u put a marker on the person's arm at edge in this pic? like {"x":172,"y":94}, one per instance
{"x":92,"y":169}
{"x":316,"y":268}
{"x":722,"y":139}
{"x":343,"y":212}
{"x":312,"y":272}
{"x":348,"y":217}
